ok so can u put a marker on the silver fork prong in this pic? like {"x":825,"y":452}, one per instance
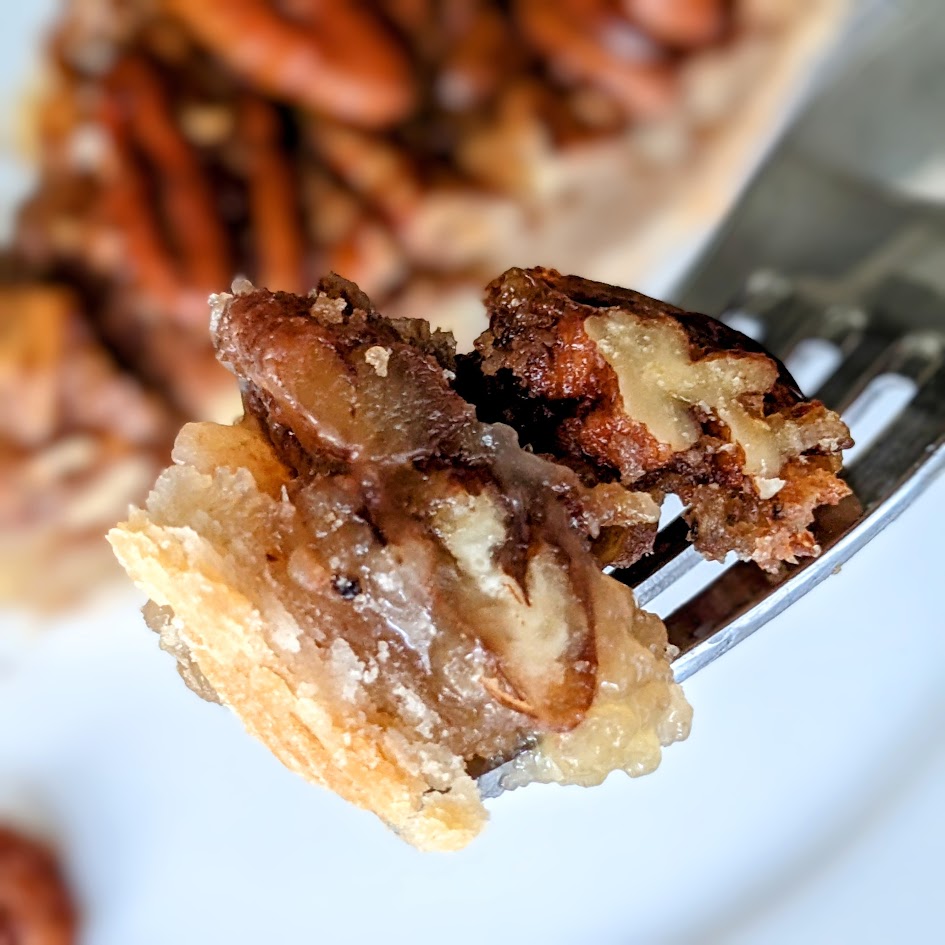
{"x":917,"y":356}
{"x":784,"y":327}
{"x":671,"y":558}
{"x":680,"y":565}
{"x":910,"y":439}
{"x":862,"y":363}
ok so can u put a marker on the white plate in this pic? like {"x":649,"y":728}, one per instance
{"x":805,"y":806}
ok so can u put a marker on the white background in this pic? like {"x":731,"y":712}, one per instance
{"x":805,"y":806}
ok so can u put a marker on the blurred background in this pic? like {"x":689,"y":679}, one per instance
{"x":155,"y":149}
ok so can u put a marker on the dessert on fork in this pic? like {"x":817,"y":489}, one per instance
{"x":392,"y":567}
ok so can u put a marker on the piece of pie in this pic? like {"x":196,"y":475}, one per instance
{"x":627,"y":389}
{"x":393,"y":595}
{"x":392,"y":592}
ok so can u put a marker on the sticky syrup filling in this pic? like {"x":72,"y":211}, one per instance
{"x":440,"y":576}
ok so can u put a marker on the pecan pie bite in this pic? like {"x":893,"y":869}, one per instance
{"x":393,"y":595}
{"x":631,"y":390}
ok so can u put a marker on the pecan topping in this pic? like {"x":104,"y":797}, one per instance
{"x":629,"y":389}
{"x":35,"y":905}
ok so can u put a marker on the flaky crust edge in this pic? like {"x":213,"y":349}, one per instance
{"x":224,"y":633}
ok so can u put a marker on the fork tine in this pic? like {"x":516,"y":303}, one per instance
{"x":785,"y":326}
{"x":787,"y":316}
{"x":671,"y":558}
{"x":863,"y":362}
{"x":916,"y":431}
{"x":918,"y":356}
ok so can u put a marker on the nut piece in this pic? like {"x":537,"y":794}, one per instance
{"x":35,"y":905}
{"x":393,"y":595}
{"x":629,"y":389}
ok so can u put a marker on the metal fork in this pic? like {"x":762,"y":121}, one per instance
{"x":831,"y":243}
{"x":827,"y":243}
{"x":893,"y":325}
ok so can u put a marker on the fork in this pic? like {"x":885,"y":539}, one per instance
{"x":830,"y":243}
{"x":892,"y":326}
{"x":827,"y":245}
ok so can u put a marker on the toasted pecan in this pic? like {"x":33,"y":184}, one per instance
{"x":626,"y":388}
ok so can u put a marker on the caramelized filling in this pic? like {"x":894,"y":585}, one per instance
{"x":393,"y":594}
{"x":449,"y":563}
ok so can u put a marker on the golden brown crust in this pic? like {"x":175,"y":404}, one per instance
{"x":35,"y":905}
{"x":229,"y":637}
{"x":538,"y":368}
